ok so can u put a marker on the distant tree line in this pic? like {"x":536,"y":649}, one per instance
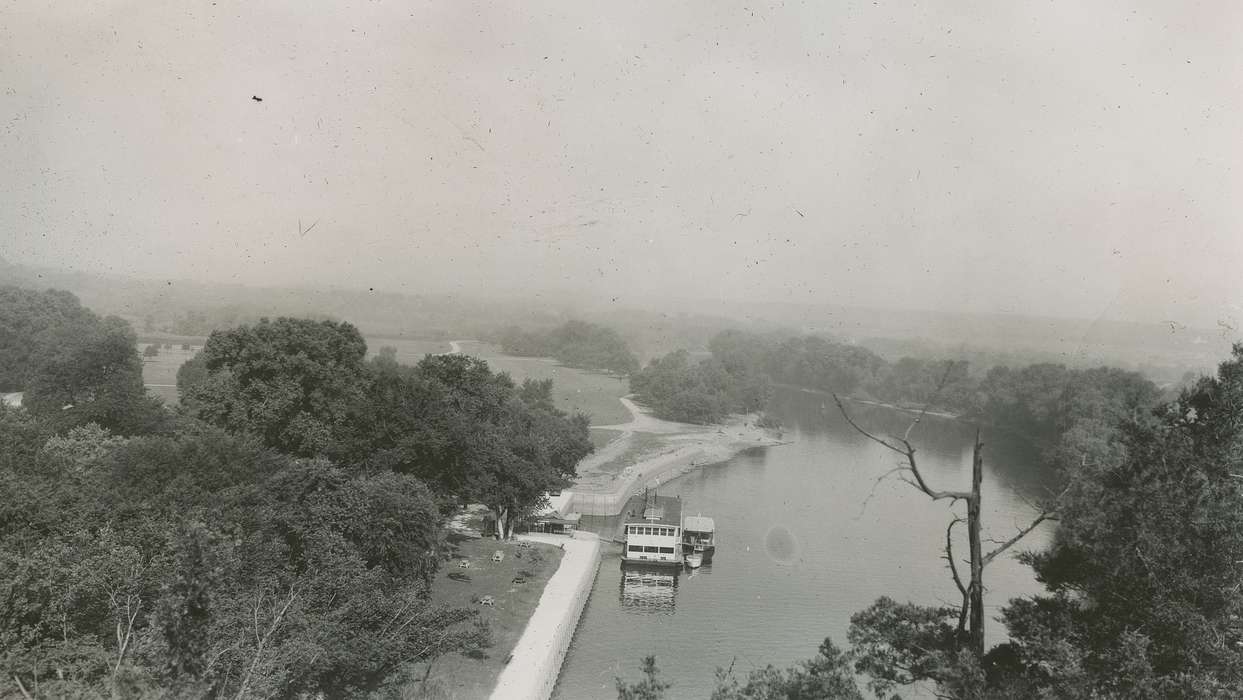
{"x":1064,"y":411}
{"x":574,"y":344}
{"x":273,"y":537}
{"x":1141,"y":581}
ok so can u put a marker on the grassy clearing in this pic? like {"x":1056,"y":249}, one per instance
{"x":461,"y":676}
{"x":641,"y":444}
{"x":159,"y":373}
{"x":409,"y":351}
{"x":603,"y":436}
{"x":573,"y":389}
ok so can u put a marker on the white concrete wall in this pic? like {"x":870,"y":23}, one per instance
{"x":532,"y":672}
{"x":660,"y":469}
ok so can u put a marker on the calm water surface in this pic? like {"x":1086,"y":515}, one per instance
{"x":798,"y":552}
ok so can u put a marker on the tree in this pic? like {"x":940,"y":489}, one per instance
{"x":650,"y":688}
{"x":289,"y":381}
{"x":889,"y":640}
{"x":574,"y":344}
{"x":28,"y":320}
{"x":828,"y":676}
{"x":1143,"y":574}
{"x":91,"y":373}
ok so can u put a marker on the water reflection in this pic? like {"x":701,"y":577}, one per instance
{"x":800,"y":549}
{"x":648,"y":590}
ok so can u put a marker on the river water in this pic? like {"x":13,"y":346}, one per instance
{"x":799,"y":552}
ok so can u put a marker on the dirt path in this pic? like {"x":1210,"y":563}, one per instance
{"x":642,"y":422}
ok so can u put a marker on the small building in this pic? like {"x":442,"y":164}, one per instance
{"x":13,"y":400}
{"x":653,"y":530}
{"x":556,"y":518}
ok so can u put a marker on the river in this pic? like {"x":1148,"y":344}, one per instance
{"x":799,"y":552}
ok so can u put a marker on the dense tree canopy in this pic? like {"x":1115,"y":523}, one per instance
{"x":74,"y":367}
{"x":574,"y":344}
{"x":288,"y":381}
{"x":29,"y":324}
{"x":1144,"y":575}
{"x":1142,"y":579}
{"x":277,"y":538}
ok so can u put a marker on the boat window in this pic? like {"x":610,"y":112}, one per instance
{"x":651,"y":549}
{"x":647,"y":530}
{"x":666,"y":550}
{"x":635,"y":548}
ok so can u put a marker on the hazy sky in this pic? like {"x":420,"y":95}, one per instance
{"x":1067,"y":158}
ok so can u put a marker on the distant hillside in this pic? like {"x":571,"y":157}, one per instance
{"x":184,"y":308}
{"x":168,"y":308}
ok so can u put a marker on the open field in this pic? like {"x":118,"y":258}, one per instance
{"x":159,"y":373}
{"x":573,"y":389}
{"x":603,"y":436}
{"x":639,"y":447}
{"x":409,"y":351}
{"x":462,"y":677}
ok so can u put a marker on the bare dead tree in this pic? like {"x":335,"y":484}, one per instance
{"x":971,"y":610}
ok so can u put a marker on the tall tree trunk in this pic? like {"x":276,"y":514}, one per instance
{"x":977,"y":555}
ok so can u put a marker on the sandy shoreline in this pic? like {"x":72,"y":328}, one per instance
{"x":674,"y":449}
{"x":870,"y":402}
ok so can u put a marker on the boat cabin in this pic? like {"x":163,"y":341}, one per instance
{"x":698,"y":534}
{"x":653,"y":530}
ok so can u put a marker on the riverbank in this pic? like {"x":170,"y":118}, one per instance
{"x":531,"y":671}
{"x":650,"y":450}
{"x":871,"y":402}
{"x":515,"y":586}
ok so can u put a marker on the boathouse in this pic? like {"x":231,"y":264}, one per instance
{"x":653,"y":530}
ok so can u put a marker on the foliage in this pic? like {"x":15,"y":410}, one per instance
{"x":278,"y":538}
{"x":1143,"y":574}
{"x":29,"y":324}
{"x":677,"y":388}
{"x":288,"y":381}
{"x":574,"y":344}
{"x":828,"y":676}
{"x":224,"y":566}
{"x":650,"y":688}
{"x":74,"y":367}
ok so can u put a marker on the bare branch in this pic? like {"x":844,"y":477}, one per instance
{"x":949,"y":365}
{"x":965,"y":607}
{"x":909,"y":453}
{"x":276,"y":621}
{"x":949,"y":555}
{"x":21,"y":687}
{"x":863,"y":507}
{"x":988,"y":558}
{"x":863,"y":432}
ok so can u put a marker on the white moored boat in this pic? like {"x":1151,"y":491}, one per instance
{"x":698,"y":538}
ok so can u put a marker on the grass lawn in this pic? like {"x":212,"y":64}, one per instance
{"x":162,"y":369}
{"x":461,"y":677}
{"x":603,"y":436}
{"x":409,"y":351}
{"x":573,"y":389}
{"x":640,"y":445}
